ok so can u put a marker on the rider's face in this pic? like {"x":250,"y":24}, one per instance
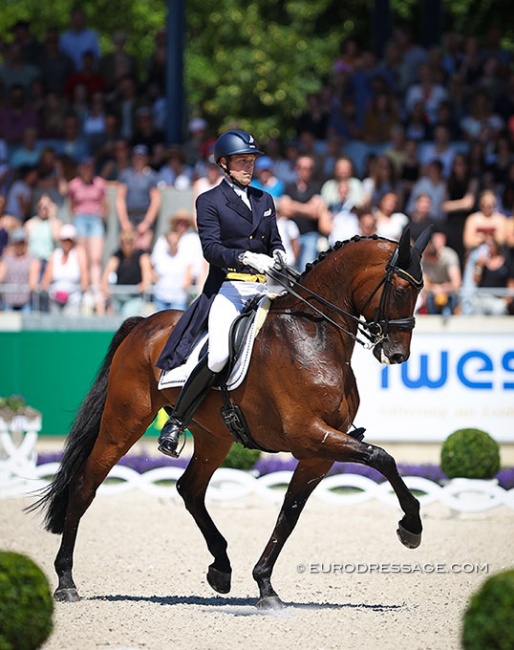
{"x":241,"y":167}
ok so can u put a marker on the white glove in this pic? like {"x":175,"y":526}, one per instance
{"x":280,"y":258}
{"x":258,"y":261}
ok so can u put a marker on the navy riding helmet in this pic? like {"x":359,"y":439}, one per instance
{"x":234,"y":142}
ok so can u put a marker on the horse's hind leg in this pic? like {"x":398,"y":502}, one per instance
{"x":306,"y":477}
{"x":108,"y":449}
{"x":209,"y":453}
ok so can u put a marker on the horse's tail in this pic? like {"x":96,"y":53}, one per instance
{"x":81,"y":438}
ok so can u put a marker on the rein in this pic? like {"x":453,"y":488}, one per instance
{"x":376,"y":330}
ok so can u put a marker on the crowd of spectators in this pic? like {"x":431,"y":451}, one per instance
{"x":416,"y":137}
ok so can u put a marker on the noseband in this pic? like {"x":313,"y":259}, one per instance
{"x":374,"y":331}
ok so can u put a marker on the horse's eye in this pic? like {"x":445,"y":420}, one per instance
{"x":400,"y":293}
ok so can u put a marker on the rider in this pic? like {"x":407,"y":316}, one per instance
{"x":238,"y":230}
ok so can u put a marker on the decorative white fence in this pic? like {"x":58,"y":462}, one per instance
{"x":20,"y":476}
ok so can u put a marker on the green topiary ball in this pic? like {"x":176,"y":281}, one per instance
{"x":240,"y":457}
{"x":488,"y":618}
{"x":470,"y":453}
{"x":26,"y":603}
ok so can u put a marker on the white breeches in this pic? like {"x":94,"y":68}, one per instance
{"x":227,"y":305}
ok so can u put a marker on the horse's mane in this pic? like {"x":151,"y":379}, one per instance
{"x":337,"y":246}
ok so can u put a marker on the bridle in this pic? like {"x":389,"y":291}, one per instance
{"x":376,"y":330}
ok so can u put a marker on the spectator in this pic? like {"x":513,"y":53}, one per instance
{"x":290,"y":236}
{"x":343,"y":171}
{"x":410,"y":170}
{"x":20,"y":194}
{"x":30,"y":47}
{"x":212,"y":177}
{"x":5,"y":170}
{"x":55,"y":66}
{"x":79,"y":38}
{"x":433,"y":184}
{"x":416,"y":125}
{"x":138,"y":199}
{"x":479,"y":228}
{"x":302,"y":203}
{"x":413,"y":55}
{"x":381,"y":114}
{"x":94,"y":124}
{"x":195,"y":143}
{"x":145,"y":131}
{"x":43,"y":230}
{"x":50,"y":176}
{"x":18,"y":267}
{"x":127,"y":267}
{"x":29,"y":150}
{"x":389,"y":222}
{"x":285,"y":166}
{"x":156,"y":64}
{"x":341,"y":221}
{"x":493,"y":270}
{"x":116,"y":64}
{"x":173,"y":272}
{"x":442,"y":276}
{"x":87,"y":76}
{"x":265,"y":178}
{"x":52,"y":117}
{"x":440,"y":149}
{"x":343,"y":120}
{"x":114,"y":159}
{"x":175,"y":172}
{"x":381,"y":180}
{"x":460,"y":198}
{"x":73,"y":145}
{"x":88,"y":206}
{"x":66,"y":276}
{"x":314,"y":119}
{"x":14,"y":71}
{"x":396,"y":149}
{"x":481,"y":123}
{"x":367,"y":224}
{"x":421,"y":217}
{"x":125,"y":104}
{"x":16,"y":116}
{"x":427,"y":91}
{"x":7,"y":223}
{"x":507,"y":194}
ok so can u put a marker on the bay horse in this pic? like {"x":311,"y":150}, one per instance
{"x":299,"y":396}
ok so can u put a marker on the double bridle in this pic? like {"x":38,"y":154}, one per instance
{"x":376,"y":330}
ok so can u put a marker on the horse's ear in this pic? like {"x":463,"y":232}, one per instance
{"x":404,"y":252}
{"x":423,"y":239}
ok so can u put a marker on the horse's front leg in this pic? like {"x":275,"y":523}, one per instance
{"x":306,"y":477}
{"x":340,"y":447}
{"x":209,"y":453}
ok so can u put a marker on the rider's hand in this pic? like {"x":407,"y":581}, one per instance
{"x":280,"y":258}
{"x":258,"y":261}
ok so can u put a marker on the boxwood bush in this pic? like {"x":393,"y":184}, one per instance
{"x":26,"y":603}
{"x":470,"y":453}
{"x":240,"y":457}
{"x":488,"y":618}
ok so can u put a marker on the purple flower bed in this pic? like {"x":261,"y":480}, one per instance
{"x":270,"y":464}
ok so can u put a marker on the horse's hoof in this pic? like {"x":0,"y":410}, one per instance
{"x":219,"y":580}
{"x":66,"y":595}
{"x":408,"y":539}
{"x":270,"y":602}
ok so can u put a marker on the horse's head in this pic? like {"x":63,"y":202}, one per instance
{"x":389,"y":309}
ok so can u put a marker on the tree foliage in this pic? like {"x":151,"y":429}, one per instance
{"x":251,"y":63}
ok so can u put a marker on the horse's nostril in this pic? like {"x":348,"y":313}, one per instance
{"x":397,"y":358}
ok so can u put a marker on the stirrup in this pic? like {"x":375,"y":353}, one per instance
{"x":167,"y":444}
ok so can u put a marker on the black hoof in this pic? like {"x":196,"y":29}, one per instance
{"x":270,"y":603}
{"x":66,"y":595}
{"x":219,"y":580}
{"x":408,"y":539}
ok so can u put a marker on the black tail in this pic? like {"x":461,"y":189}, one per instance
{"x":81,"y":439}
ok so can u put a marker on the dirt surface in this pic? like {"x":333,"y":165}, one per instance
{"x":140,"y":566}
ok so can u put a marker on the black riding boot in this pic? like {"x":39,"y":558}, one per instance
{"x":191,"y":396}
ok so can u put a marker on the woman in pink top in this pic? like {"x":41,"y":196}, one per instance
{"x":88,"y":205}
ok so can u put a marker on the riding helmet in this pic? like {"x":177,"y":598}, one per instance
{"x":234,"y":142}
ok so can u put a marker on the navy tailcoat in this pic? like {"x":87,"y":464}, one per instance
{"x":227,"y":228}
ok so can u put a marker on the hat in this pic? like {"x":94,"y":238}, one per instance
{"x":197,"y":124}
{"x":18,"y":235}
{"x":68,"y":231}
{"x":264,"y":162}
{"x":140,"y":150}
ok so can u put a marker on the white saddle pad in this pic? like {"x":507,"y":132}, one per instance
{"x":178,"y":376}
